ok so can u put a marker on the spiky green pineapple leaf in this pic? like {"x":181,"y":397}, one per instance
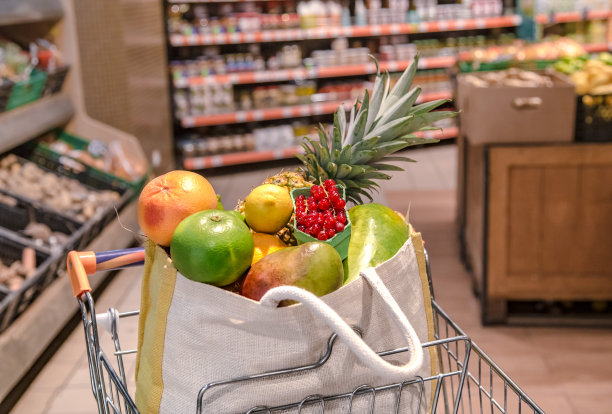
{"x":391,"y":130}
{"x":398,"y":158}
{"x":428,"y":106}
{"x":376,"y":175}
{"x":386,"y":167}
{"x":338,"y":130}
{"x":429,"y":118}
{"x":378,"y":96}
{"x":402,"y":86}
{"x":364,"y":156}
{"x":401,"y":108}
{"x":343,"y":170}
{"x":332,"y":168}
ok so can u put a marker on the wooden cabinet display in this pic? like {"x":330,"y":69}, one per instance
{"x":538,"y":223}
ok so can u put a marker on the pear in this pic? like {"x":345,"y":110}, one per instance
{"x":314,"y":266}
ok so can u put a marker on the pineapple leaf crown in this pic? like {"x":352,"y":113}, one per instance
{"x":359,"y":148}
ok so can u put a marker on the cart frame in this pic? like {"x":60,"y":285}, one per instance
{"x":468,"y":380}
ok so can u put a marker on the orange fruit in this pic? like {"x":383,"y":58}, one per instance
{"x":212,"y":246}
{"x":264,"y":245}
{"x":268,"y":208}
{"x":166,"y":200}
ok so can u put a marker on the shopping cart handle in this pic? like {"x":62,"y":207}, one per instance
{"x":81,"y":264}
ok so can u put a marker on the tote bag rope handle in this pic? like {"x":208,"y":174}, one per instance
{"x":355,"y":343}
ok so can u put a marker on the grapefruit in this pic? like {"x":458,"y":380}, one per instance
{"x":268,"y":208}
{"x":168,"y":199}
{"x":212,"y":246}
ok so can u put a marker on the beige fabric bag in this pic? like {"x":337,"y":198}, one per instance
{"x":192,"y":334}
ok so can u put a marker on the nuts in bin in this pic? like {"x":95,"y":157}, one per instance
{"x":59,"y":193}
{"x":12,"y":276}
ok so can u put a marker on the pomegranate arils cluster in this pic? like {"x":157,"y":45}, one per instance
{"x":321,"y":214}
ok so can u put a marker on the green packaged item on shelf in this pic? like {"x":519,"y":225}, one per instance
{"x":26,"y":91}
{"x":44,"y":154}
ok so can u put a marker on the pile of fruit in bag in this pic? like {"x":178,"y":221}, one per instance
{"x":296,"y":228}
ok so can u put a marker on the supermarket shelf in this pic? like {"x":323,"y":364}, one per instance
{"x":247,"y":157}
{"x":29,"y":11}
{"x":349,"y":31}
{"x":29,"y":335}
{"x":26,"y":122}
{"x":321,"y":108}
{"x":597,"y":47}
{"x":568,"y":17}
{"x":314,"y":73}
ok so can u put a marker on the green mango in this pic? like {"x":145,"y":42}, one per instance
{"x":377,"y":233}
{"x":314,"y":266}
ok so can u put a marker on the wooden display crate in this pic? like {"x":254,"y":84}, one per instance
{"x":537,"y":223}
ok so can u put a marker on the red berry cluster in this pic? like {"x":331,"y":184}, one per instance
{"x":322,"y":214}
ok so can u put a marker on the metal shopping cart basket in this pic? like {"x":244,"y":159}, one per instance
{"x":468,"y":380}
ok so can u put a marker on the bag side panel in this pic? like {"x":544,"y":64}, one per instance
{"x":157,"y":292}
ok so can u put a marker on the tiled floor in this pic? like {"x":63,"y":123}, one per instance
{"x":565,"y":370}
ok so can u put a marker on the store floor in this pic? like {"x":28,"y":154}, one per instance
{"x":565,"y":370}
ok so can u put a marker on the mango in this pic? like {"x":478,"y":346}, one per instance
{"x":314,"y":266}
{"x":377,"y":233}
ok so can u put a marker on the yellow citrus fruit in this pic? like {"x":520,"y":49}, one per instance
{"x":264,"y":245}
{"x":268,"y":208}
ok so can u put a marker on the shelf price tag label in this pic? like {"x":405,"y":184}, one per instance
{"x":249,"y":38}
{"x":287,"y":112}
{"x":241,"y":116}
{"x":481,"y":23}
{"x":443,"y":25}
{"x":235,"y":37}
{"x":460,"y":24}
{"x":258,"y":115}
{"x":395,"y":29}
{"x":422,"y":27}
{"x":188,"y":122}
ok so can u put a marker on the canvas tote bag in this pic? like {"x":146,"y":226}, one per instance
{"x":192,"y":334}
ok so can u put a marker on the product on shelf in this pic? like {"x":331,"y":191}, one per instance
{"x":62,"y":194}
{"x":105,"y":157}
{"x":258,"y":139}
{"x":512,"y":77}
{"x":246,"y":17}
{"x":556,"y":6}
{"x":12,"y":275}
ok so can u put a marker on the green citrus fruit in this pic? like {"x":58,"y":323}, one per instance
{"x":212,"y":246}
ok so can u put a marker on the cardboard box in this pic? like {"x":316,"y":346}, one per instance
{"x":503,"y":114}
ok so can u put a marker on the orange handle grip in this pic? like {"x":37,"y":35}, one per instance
{"x":78,"y":275}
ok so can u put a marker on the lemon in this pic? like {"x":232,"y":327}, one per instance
{"x":212,"y":246}
{"x":264,"y":245}
{"x":268,"y":208}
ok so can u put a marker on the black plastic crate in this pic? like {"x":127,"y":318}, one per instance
{"x":6,"y":88}
{"x":94,"y":226}
{"x":13,"y":303}
{"x":16,"y":218}
{"x":55,"y":80}
{"x":593,"y":118}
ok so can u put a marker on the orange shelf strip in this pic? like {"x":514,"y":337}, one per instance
{"x":286,"y":112}
{"x":349,"y":31}
{"x":237,"y":158}
{"x":315,"y":73}
{"x":567,"y":17}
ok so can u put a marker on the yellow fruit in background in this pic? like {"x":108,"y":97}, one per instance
{"x":268,"y":208}
{"x":264,"y":245}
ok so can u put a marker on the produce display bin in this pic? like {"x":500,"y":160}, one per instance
{"x":23,"y":92}
{"x":468,"y":381}
{"x":594,"y":118}
{"x":55,"y":80}
{"x":16,"y":218}
{"x":504,"y":114}
{"x":41,"y":153}
{"x":13,"y":303}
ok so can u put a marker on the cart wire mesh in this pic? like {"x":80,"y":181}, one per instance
{"x":468,"y":380}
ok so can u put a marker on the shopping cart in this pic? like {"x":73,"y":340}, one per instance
{"x":468,"y":380}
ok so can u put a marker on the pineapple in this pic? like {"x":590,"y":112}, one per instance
{"x":359,"y":148}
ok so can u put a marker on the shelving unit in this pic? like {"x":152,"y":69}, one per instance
{"x":27,"y":338}
{"x":247,"y":157}
{"x":286,"y":112}
{"x":191,"y":125}
{"x":313,"y":73}
{"x":349,"y":31}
